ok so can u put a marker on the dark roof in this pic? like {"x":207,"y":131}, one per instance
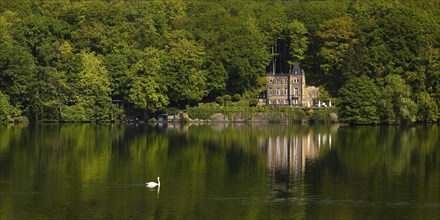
{"x":296,"y":68}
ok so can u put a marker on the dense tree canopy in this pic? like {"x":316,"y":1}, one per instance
{"x":65,"y":60}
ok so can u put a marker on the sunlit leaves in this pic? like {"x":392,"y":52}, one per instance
{"x":186,"y":76}
{"x":298,"y":40}
{"x":16,"y":73}
{"x":147,"y":90}
{"x":8,"y":112}
{"x":209,"y":48}
{"x":359,"y":101}
{"x":338,"y":40}
{"x":93,"y":88}
{"x":396,"y":104}
{"x":427,"y":108}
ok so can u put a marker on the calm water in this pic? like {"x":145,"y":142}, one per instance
{"x":219,"y":172}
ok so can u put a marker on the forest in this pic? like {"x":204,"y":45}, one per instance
{"x":101,"y":60}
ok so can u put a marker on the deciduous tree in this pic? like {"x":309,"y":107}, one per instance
{"x":147,"y":84}
{"x":358,"y":101}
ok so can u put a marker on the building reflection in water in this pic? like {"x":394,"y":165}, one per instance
{"x":289,"y":154}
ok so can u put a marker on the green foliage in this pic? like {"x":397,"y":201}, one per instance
{"x":150,"y":55}
{"x":74,"y":113}
{"x":324,"y":115}
{"x":17,"y":73}
{"x":216,"y":76}
{"x":323,"y":95}
{"x":227,"y":98}
{"x":427,"y":108}
{"x":172,"y":111}
{"x":219,"y":100}
{"x":358,"y":101}
{"x":186,"y":77}
{"x":241,"y":103}
{"x":338,"y":40}
{"x":236,"y":97}
{"x":431,"y":59}
{"x":298,"y":40}
{"x":93,"y":89}
{"x":203,"y":112}
{"x":144,"y":95}
{"x":396,"y":104}
{"x":253,"y":102}
{"x":49,"y":92}
{"x":147,"y":90}
{"x":268,"y":114}
{"x":8,"y":112}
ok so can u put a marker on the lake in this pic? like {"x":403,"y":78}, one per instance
{"x":219,"y":171}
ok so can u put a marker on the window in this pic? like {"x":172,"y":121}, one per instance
{"x":270,"y":102}
{"x":286,"y":81}
{"x":278,"y":101}
{"x":269,"y":92}
{"x":295,"y":101}
{"x":278,"y":80}
{"x":278,"y":91}
{"x":295,"y":92}
{"x":285,"y":91}
{"x":296,"y":71}
{"x":286,"y":101}
{"x":270,"y":80}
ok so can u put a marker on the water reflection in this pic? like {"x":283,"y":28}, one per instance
{"x":289,"y":153}
{"x":157,"y":189}
{"x":256,"y":171}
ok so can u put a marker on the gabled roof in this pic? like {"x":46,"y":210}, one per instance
{"x":296,"y":69}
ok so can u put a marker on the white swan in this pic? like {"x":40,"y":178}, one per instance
{"x":153,"y":184}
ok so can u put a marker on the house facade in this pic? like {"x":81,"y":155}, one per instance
{"x":289,"y":89}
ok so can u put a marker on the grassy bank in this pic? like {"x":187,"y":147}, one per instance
{"x":215,"y":113}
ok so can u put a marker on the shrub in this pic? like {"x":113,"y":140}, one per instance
{"x":236,"y":98}
{"x":325,"y":115}
{"x":296,"y":114}
{"x":74,"y":113}
{"x":201,"y":112}
{"x":358,"y":101}
{"x":253,"y":102}
{"x":8,"y":112}
{"x":227,"y":99}
{"x":219,"y":100}
{"x":172,"y":111}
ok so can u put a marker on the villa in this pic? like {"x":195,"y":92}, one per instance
{"x":288,"y":89}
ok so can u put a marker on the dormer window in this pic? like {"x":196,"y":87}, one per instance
{"x":295,"y":71}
